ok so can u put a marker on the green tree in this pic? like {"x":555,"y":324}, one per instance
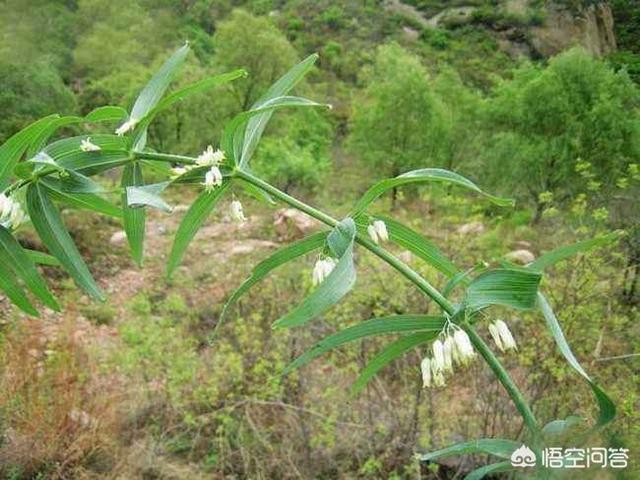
{"x":28,"y":92}
{"x":255,"y":44}
{"x":397,"y":123}
{"x":550,"y":125}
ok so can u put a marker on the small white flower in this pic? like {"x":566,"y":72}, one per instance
{"x":425,"y":368}
{"x":463,"y":346}
{"x":87,"y":146}
{"x":11,"y":213}
{"x":178,"y":172}
{"x":438,"y":378}
{"x":322,"y":270}
{"x":210,"y":158}
{"x":508,"y":341}
{"x":212,"y":179}
{"x":236,"y":210}
{"x":373,"y":233}
{"x":495,"y":334}
{"x":381,"y":230}
{"x":449,"y":349}
{"x":438,"y":364}
{"x":126,"y":126}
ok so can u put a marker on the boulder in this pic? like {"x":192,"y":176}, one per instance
{"x":290,"y":224}
{"x":471,"y":227}
{"x":522,"y":257}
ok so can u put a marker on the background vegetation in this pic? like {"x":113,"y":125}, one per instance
{"x":135,"y":388}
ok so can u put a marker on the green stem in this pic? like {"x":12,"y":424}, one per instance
{"x":164,"y":157}
{"x":418,"y":281}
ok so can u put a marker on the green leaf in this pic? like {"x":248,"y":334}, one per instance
{"x":462,"y":278}
{"x":235,"y":136}
{"x":334,"y":287}
{"x":424,"y":175}
{"x":388,"y":354}
{"x":25,"y":269}
{"x":154,"y":90}
{"x":42,"y":258}
{"x":148,"y":195}
{"x":15,"y":146}
{"x":47,"y":222}
{"x":106,"y":114}
{"x":511,"y":287}
{"x":67,"y":153}
{"x":256,"y":125}
{"x":558,"y":427}
{"x":84,"y":201}
{"x":280,"y":257}
{"x":376,"y":326}
{"x":189,"y":90}
{"x":493,"y":446}
{"x":562,"y":253}
{"x":485,"y":470}
{"x":41,"y":140}
{"x":9,"y":285}
{"x":191,"y":223}
{"x":607,"y":407}
{"x":419,"y":246}
{"x":134,"y":218}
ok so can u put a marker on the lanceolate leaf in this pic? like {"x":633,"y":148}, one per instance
{"x":282,"y":256}
{"x":154,"y":90}
{"x":67,"y":153}
{"x":191,"y":223}
{"x":148,"y":195}
{"x":85,"y":201}
{"x":44,"y":135}
{"x":419,"y":246}
{"x":515,"y":288}
{"x":42,"y":258}
{"x":256,"y":125}
{"x":14,"y":148}
{"x":389,"y":354}
{"x":107,"y":113}
{"x":334,"y":287}
{"x":607,"y":407}
{"x":493,"y":446}
{"x":376,"y":326}
{"x":189,"y":90}
{"x":562,"y":253}
{"x":134,"y":218}
{"x":47,"y":222}
{"x":425,"y":175}
{"x":12,"y":289}
{"x":24,"y":268}
{"x":234,"y":135}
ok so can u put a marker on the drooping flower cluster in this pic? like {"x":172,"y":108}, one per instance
{"x":378,"y":231}
{"x":86,"y":145}
{"x":322,"y":269}
{"x":454,"y":350}
{"x":212,"y":159}
{"x":502,"y":336}
{"x":11,"y":213}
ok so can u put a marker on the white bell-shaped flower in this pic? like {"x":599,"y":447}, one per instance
{"x":373,"y":233}
{"x":495,"y":334}
{"x":449,"y":348}
{"x":508,"y":341}
{"x":381,"y":230}
{"x":236,"y":212}
{"x":425,"y":368}
{"x":210,"y":157}
{"x":86,"y":145}
{"x":178,"y":172}
{"x":463,"y":346}
{"x":212,"y":179}
{"x":438,"y":363}
{"x":322,"y":270}
{"x":126,"y":126}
